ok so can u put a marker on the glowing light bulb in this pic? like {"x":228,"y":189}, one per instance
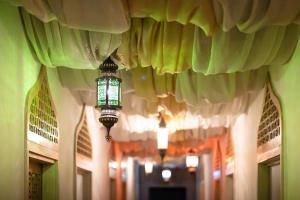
{"x":162,"y":138}
{"x":148,"y":167}
{"x":166,"y":174}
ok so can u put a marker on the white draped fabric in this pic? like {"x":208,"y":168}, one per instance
{"x":174,"y":58}
{"x":57,"y":45}
{"x":251,"y":15}
{"x":247,"y":15}
{"x":207,"y":58}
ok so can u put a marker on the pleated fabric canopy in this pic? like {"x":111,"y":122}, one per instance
{"x":202,"y":59}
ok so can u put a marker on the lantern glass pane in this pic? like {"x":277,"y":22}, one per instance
{"x":162,"y":138}
{"x":120,"y":92}
{"x":192,"y":161}
{"x":113,"y":92}
{"x":101,"y":93}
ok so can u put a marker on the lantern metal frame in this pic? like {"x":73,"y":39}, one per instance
{"x":108,"y":115}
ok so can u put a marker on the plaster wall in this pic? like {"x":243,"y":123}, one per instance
{"x":19,"y":71}
{"x":285,"y":80}
{"x":68,"y":115}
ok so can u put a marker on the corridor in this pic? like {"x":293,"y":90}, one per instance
{"x":149,"y":100}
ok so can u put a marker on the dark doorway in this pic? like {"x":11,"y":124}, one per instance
{"x":163,"y":193}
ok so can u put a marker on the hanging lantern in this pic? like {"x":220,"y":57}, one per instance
{"x":162,"y":138}
{"x":108,"y":94}
{"x":148,"y":167}
{"x":192,"y":161}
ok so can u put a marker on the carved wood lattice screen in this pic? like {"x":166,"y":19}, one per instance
{"x":42,"y":118}
{"x":84,"y":146}
{"x":269,"y":131}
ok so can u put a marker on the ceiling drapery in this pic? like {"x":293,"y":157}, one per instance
{"x":248,"y":15}
{"x":201,"y":58}
{"x":170,"y":47}
{"x":166,"y":46}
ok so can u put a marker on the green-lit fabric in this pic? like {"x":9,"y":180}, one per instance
{"x":56,"y":45}
{"x":252,"y":15}
{"x":149,"y":85}
{"x":233,"y":51}
{"x":102,"y":15}
{"x":113,"y":16}
{"x":166,"y":46}
{"x":194,"y":87}
{"x":170,"y":47}
{"x":197,"y":12}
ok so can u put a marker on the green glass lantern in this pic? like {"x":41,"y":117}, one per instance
{"x":108,"y":94}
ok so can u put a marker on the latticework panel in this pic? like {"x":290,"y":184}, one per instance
{"x":229,"y":149}
{"x":42,"y":118}
{"x":269,"y":127}
{"x":84,"y":146}
{"x":217,"y":164}
{"x":35,"y":186}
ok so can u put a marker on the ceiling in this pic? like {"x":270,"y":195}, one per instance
{"x":200,"y":62}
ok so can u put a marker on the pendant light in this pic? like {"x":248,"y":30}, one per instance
{"x":162,"y":138}
{"x":192,"y":161}
{"x":108,"y":94}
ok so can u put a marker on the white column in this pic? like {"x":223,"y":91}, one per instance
{"x":244,"y":133}
{"x":101,"y":156}
{"x":207,"y":173}
{"x":130,"y":183}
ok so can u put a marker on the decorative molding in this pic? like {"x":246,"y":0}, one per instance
{"x":269,"y":131}
{"x":42,"y":126}
{"x":84,"y":163}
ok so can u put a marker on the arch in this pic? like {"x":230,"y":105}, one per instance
{"x":269,"y":131}
{"x":83,"y":144}
{"x":42,"y":126}
{"x":83,"y":155}
{"x":42,"y":132}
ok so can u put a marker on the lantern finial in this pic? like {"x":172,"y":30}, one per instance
{"x":162,"y":154}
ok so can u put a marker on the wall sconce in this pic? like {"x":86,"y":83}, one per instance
{"x":192,"y":161}
{"x":108,"y":95}
{"x":148,"y":167}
